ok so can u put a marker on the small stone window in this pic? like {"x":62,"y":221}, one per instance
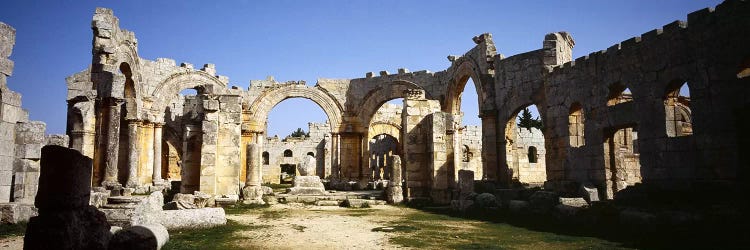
{"x":288,"y":153}
{"x":678,"y":115}
{"x":575,"y":125}
{"x":466,"y":154}
{"x":311,"y":154}
{"x":618,"y":93}
{"x":265,"y":158}
{"x":533,"y":157}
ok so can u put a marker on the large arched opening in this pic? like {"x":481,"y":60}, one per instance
{"x":296,"y":129}
{"x":525,"y":151}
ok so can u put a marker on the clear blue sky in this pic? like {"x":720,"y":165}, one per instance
{"x":304,"y":40}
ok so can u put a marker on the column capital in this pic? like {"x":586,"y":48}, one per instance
{"x":158,"y":124}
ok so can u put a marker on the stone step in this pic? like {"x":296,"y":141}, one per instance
{"x":123,"y":200}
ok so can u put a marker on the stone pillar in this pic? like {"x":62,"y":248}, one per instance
{"x":465,"y":189}
{"x":394,"y":192}
{"x":113,"y":144}
{"x":335,"y":168}
{"x":66,"y":220}
{"x":490,"y":161}
{"x":132,"y":153}
{"x":252,"y":192}
{"x":157,"y":154}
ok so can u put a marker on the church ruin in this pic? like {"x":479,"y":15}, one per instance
{"x":126,"y":113}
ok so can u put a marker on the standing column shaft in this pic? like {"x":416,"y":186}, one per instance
{"x":335,"y":168}
{"x":113,"y":145}
{"x":132,"y":154}
{"x":157,"y":154}
{"x":253,"y":165}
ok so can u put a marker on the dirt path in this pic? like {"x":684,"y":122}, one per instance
{"x":15,"y":242}
{"x":312,"y":227}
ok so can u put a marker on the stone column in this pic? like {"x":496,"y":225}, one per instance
{"x":394,"y":192}
{"x":157,"y":154}
{"x":252,"y":192}
{"x":113,"y":144}
{"x":490,"y":163}
{"x":132,"y":153}
{"x":335,"y":168}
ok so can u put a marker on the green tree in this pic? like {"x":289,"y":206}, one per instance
{"x":299,"y":133}
{"x":525,"y":120}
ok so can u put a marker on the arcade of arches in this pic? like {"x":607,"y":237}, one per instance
{"x":606,"y":123}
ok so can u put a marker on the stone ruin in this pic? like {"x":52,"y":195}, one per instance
{"x":615,"y":124}
{"x":612,"y":119}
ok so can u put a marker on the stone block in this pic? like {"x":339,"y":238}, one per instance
{"x":147,"y":236}
{"x":65,"y":180}
{"x":517,"y":206}
{"x":29,"y":151}
{"x":589,"y":192}
{"x":13,"y":213}
{"x":26,"y":165}
{"x":192,"y":218}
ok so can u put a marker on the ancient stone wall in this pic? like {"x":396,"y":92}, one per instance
{"x":21,"y":140}
{"x":680,"y":140}
{"x":316,"y":145}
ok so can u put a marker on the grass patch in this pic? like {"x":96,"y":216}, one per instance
{"x":220,"y":237}
{"x":240,"y":208}
{"x":441,"y":231}
{"x":10,"y":230}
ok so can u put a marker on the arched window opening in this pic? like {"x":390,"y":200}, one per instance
{"x":129,"y":84}
{"x":532,"y":154}
{"x":466,"y":153}
{"x":677,"y":111}
{"x":575,"y":125}
{"x":288,"y":153}
{"x":618,"y":93}
{"x":265,"y":158}
{"x":311,"y":154}
{"x":523,"y":131}
{"x":189,"y":92}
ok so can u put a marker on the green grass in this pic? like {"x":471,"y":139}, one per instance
{"x":433,"y":231}
{"x":220,"y":237}
{"x":240,"y":208}
{"x":10,"y":230}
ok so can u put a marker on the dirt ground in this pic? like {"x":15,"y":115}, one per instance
{"x":297,"y":226}
{"x":15,"y":242}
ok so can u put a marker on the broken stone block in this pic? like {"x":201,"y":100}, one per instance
{"x":517,"y":206}
{"x":485,"y":200}
{"x":307,"y":166}
{"x":543,"y":201}
{"x":192,"y":218}
{"x":179,"y":205}
{"x":589,"y":192}
{"x":148,"y":236}
{"x":12,"y":213}
{"x":307,"y":185}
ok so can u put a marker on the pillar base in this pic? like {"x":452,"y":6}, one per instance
{"x":111,"y":184}
{"x":252,"y":195}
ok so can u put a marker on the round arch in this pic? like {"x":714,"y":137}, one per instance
{"x":380,"y":128}
{"x":458,"y":81}
{"x":172,"y":85}
{"x":374,"y":99}
{"x":262,"y":105}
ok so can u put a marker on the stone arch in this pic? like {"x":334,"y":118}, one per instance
{"x":576,"y":125}
{"x":379,"y":128}
{"x":288,"y":153}
{"x":466,"y":69}
{"x":172,"y":85}
{"x":677,"y":113}
{"x":260,"y":108}
{"x":514,"y":149}
{"x":619,"y":93}
{"x":374,"y":99}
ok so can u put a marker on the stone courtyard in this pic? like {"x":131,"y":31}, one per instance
{"x":620,"y":145}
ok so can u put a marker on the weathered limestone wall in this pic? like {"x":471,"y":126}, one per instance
{"x":417,"y":151}
{"x":471,"y":150}
{"x":21,"y":140}
{"x":317,"y":144}
{"x":527,"y":156}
